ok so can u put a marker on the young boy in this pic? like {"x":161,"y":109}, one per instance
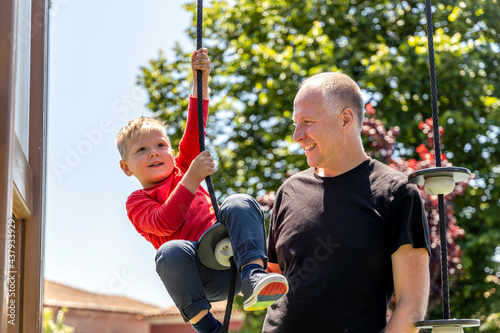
{"x":172,"y":211}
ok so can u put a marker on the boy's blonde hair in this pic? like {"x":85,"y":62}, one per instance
{"x":135,"y":129}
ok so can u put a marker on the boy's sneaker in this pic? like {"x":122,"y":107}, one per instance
{"x":262,"y":289}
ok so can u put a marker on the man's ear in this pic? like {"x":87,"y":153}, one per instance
{"x":125,"y":168}
{"x":348,"y":119}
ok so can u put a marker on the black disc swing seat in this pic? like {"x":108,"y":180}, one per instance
{"x":214,"y":248}
{"x":440,"y":181}
{"x":214,"y":245}
{"x":447,"y":325}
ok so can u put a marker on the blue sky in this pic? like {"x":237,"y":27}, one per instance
{"x":95,"y":51}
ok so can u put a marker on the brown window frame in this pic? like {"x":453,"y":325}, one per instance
{"x":22,"y":173}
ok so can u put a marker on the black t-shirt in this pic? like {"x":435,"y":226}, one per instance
{"x":333,"y":238}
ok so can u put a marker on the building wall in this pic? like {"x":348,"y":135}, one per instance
{"x":235,"y":325}
{"x":89,"y":321}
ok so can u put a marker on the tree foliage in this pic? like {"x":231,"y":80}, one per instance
{"x":261,"y":50}
{"x":49,"y":326}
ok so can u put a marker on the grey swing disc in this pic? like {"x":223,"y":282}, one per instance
{"x":207,"y":243}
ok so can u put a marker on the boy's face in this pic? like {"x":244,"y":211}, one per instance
{"x":150,"y":159}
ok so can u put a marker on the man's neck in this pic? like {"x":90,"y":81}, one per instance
{"x":346,"y":165}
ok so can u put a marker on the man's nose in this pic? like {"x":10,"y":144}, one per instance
{"x":298,"y":134}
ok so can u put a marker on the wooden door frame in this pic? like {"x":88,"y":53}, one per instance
{"x":22,"y":177}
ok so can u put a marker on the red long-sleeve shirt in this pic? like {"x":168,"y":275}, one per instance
{"x":168,"y":210}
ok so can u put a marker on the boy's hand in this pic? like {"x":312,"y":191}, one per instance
{"x":201,"y":167}
{"x":200,"y":61}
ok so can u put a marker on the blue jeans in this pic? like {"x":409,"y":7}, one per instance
{"x":193,"y":286}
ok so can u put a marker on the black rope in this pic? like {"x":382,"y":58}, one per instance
{"x":201,"y":127}
{"x":437,"y":153}
{"x":230,"y":296}
{"x":444,"y":258}
{"x":432,"y":72}
{"x":208,"y":180}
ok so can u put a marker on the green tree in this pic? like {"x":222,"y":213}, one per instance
{"x":262,"y":49}
{"x":49,"y":326}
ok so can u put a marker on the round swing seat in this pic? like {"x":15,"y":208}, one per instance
{"x":214,"y":248}
{"x":448,"y":325}
{"x":439,"y":180}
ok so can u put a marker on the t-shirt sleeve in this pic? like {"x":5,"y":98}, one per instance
{"x":409,"y":221}
{"x":189,"y":146}
{"x":271,"y":249}
{"x":161,"y":219}
{"x":272,"y":237}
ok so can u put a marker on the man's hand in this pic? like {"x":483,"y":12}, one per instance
{"x":201,"y":167}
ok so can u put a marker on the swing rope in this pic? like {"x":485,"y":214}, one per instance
{"x":201,"y":129}
{"x":437,"y":153}
{"x":208,"y":180}
{"x":230,"y":297}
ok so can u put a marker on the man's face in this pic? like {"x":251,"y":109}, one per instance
{"x":317,"y":129}
{"x":150,"y":159}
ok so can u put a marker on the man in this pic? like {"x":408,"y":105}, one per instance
{"x":348,"y":233}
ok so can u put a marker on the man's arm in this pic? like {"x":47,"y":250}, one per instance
{"x":410,"y":269}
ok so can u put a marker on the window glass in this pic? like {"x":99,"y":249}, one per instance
{"x":21,"y":43}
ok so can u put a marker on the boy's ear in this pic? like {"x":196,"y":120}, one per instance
{"x":125,"y":168}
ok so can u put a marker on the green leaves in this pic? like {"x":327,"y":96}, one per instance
{"x":49,"y":326}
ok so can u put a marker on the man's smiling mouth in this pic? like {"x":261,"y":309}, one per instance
{"x":309,"y":147}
